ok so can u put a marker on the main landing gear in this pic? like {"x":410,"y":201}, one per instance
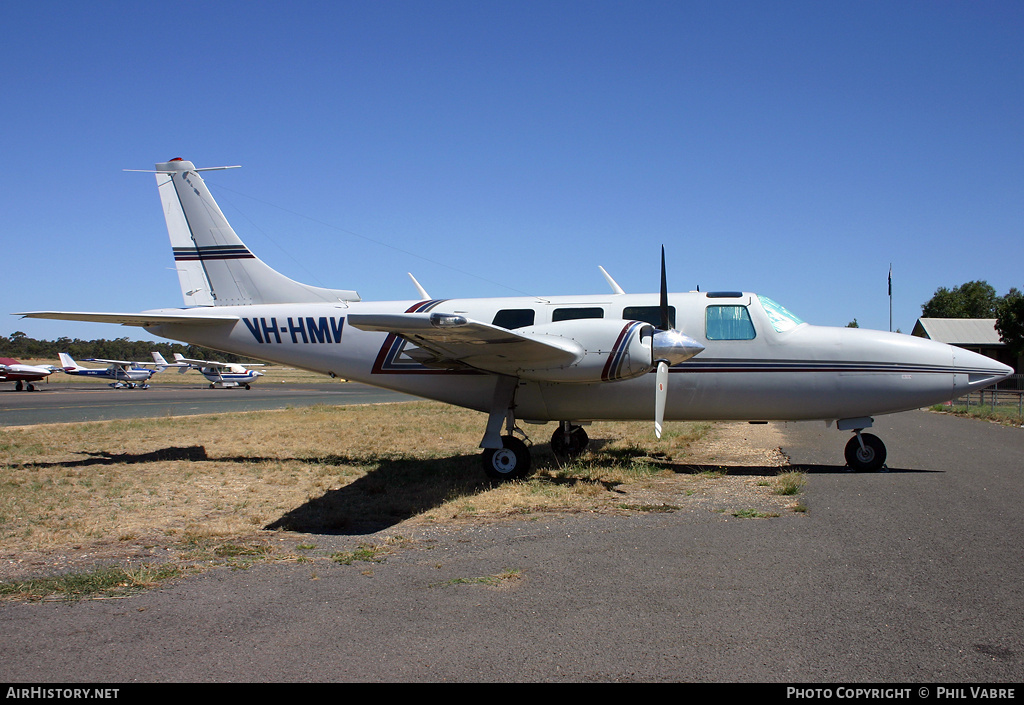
{"x":568,"y":440}
{"x":864,"y":452}
{"x":510,"y":462}
{"x":505,"y":457}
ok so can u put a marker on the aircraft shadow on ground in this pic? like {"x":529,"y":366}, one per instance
{"x":395,"y":489}
{"x":844,"y":470}
{"x":392,"y":491}
{"x":194,"y":453}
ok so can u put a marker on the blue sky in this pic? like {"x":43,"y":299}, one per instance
{"x":491,"y":148}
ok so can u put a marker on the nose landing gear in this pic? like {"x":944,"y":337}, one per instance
{"x":865,"y":452}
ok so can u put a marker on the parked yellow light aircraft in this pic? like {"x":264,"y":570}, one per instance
{"x":683,"y":356}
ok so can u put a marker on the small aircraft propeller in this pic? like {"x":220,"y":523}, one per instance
{"x":669,"y":346}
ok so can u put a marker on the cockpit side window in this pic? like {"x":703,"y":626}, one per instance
{"x":782,"y":318}
{"x":728,"y":323}
{"x":511,"y":318}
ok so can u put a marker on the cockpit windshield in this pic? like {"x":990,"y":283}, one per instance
{"x":782,"y":319}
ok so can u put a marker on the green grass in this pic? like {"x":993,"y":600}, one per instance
{"x":103,"y":582}
{"x":1008,"y":414}
{"x":501,"y":579}
{"x":790,"y":483}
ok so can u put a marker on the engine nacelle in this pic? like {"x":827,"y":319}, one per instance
{"x":607,"y":350}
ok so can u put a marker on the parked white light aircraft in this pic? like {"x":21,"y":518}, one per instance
{"x":220,"y":374}
{"x":126,"y":374}
{"x":23,"y":375}
{"x":732,"y":356}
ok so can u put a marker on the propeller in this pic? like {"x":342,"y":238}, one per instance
{"x":661,"y":379}
{"x":669,"y":346}
{"x":660,"y":397}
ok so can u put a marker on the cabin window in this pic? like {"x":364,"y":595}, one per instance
{"x":649,"y":314}
{"x":511,"y":318}
{"x":572,"y":314}
{"x":728,"y":323}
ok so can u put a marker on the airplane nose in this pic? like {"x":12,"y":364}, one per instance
{"x":980,"y":371}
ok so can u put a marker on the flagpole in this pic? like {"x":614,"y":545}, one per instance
{"x":890,"y":297}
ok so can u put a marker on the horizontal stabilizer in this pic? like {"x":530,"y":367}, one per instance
{"x":133,"y":319}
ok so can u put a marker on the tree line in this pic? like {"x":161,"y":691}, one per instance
{"x":978,"y":299}
{"x":21,"y":347}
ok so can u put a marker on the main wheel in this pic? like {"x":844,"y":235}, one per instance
{"x":509,"y":463}
{"x":867,"y":459}
{"x":571,"y":444}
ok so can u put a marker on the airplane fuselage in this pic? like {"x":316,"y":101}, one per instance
{"x":224,"y":378}
{"x":760,"y":363}
{"x":132,"y":374}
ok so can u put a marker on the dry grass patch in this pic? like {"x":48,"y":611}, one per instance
{"x":178,"y":488}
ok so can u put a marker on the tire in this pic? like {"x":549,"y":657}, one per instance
{"x":870,"y":458}
{"x":572,"y":446}
{"x":509,"y":463}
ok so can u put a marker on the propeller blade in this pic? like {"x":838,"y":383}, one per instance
{"x":661,"y":393}
{"x":664,"y":293}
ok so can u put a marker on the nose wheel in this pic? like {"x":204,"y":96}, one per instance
{"x":865,"y":452}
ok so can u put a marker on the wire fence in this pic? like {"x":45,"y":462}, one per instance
{"x":1005,"y":397}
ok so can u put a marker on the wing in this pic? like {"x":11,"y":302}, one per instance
{"x":214,"y":363}
{"x":446,"y":340}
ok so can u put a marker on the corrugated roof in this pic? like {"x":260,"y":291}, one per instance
{"x":959,"y":331}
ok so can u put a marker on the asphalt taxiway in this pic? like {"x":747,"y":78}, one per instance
{"x":65,"y":403}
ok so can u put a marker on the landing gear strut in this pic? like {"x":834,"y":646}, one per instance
{"x":505,"y":457}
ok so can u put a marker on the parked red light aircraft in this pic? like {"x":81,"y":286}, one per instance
{"x":23,"y":375}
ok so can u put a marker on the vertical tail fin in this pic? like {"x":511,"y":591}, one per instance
{"x":215,"y":268}
{"x":66,"y":362}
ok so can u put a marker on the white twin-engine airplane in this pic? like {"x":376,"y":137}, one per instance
{"x":221,"y":375}
{"x":725,"y":356}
